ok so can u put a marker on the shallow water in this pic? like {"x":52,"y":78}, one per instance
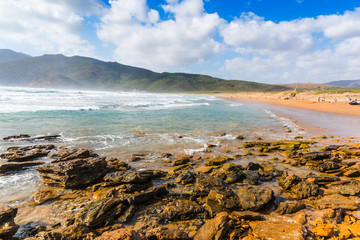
{"x":117,"y":124}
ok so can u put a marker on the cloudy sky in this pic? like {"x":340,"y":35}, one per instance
{"x":270,"y":41}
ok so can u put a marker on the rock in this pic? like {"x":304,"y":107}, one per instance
{"x":214,"y":161}
{"x":18,"y":166}
{"x":346,"y":187}
{"x":151,"y":193}
{"x":101,"y":213}
{"x":127,"y":215}
{"x":279,"y":229}
{"x":221,"y":200}
{"x":120,"y":234}
{"x":287,"y":181}
{"x":117,"y":165}
{"x":73,"y":232}
{"x":167,"y":232}
{"x":247,"y":215}
{"x":181,"y":210}
{"x":70,"y":153}
{"x":316,"y":155}
{"x":252,"y":177}
{"x":28,"y":138}
{"x":185,"y":178}
{"x":206,"y":183}
{"x":328,"y":165}
{"x":26,"y":154}
{"x":47,"y":193}
{"x":336,"y":201}
{"x":253,"y":166}
{"x":254,"y":198}
{"x":300,"y":217}
{"x":290,"y":207}
{"x":138,"y":177}
{"x":352,"y":173}
{"x":181,"y":160}
{"x":166,"y":155}
{"x":214,"y":229}
{"x":73,"y":173}
{"x":323,"y":230}
{"x":232,"y":173}
{"x":7,"y":225}
{"x":304,"y":190}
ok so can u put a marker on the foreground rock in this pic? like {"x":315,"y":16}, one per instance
{"x":7,"y":225}
{"x":73,"y":173}
{"x":214,"y":229}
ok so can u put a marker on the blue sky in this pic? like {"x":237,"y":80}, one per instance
{"x":270,"y":41}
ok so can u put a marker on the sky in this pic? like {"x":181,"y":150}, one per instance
{"x":269,"y":41}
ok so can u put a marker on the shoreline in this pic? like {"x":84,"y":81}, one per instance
{"x":305,"y":101}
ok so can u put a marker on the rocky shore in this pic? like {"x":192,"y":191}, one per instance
{"x":295,"y":189}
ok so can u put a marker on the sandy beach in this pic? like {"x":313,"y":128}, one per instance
{"x":334,"y":103}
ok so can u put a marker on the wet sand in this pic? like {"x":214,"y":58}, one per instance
{"x":333,"y":119}
{"x":303,"y":100}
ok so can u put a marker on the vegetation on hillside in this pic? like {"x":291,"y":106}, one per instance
{"x":88,"y":73}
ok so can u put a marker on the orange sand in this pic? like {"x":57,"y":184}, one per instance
{"x":306,"y":100}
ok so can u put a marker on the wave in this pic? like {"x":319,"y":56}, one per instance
{"x":286,"y":122}
{"x":33,"y":100}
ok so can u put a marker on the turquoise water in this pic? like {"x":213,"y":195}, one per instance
{"x":117,"y":124}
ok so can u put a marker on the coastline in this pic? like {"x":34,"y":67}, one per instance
{"x":318,"y":118}
{"x":302,"y":100}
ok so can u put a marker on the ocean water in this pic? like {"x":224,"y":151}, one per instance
{"x":117,"y":124}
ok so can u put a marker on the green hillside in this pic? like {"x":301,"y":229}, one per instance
{"x":87,"y":73}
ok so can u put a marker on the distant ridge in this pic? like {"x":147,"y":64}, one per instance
{"x":346,"y":83}
{"x":7,"y":55}
{"x":79,"y":72}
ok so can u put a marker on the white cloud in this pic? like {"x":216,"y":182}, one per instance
{"x":305,"y":50}
{"x":47,"y":25}
{"x":142,"y":39}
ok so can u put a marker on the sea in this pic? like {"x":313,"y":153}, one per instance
{"x":118,"y":124}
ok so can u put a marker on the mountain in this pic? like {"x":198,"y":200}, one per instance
{"x":7,"y":55}
{"x":79,"y":72}
{"x":346,"y":83}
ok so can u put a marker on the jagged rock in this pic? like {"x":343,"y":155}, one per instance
{"x":74,"y":173}
{"x":185,"y":178}
{"x":156,"y":191}
{"x":252,"y":177}
{"x":336,"y":201}
{"x":18,"y":166}
{"x":181,"y":210}
{"x":225,"y":199}
{"x":117,"y":165}
{"x":70,"y":153}
{"x":247,"y":215}
{"x":290,"y":207}
{"x":287,"y":181}
{"x":214,"y":161}
{"x":73,"y":232}
{"x":206,"y":183}
{"x":316,"y":155}
{"x":100,"y":213}
{"x":253,"y":166}
{"x":167,"y":232}
{"x":328,"y":165}
{"x":127,"y":215}
{"x":181,"y":160}
{"x":214,"y":229}
{"x":120,"y":234}
{"x":7,"y":225}
{"x":28,"y":138}
{"x":47,"y":193}
{"x":304,"y":190}
{"x":231,"y":173}
{"x":138,"y":177}
{"x":254,"y":198}
{"x":279,"y":229}
{"x":345,"y":187}
{"x":26,"y":154}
